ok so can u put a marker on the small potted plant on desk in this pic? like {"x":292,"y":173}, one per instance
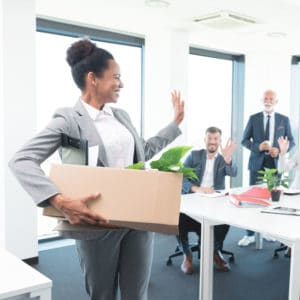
{"x":273,"y":181}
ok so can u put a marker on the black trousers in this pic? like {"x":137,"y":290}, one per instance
{"x":187,"y":224}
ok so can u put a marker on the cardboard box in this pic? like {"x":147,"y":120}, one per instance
{"x":139,"y":199}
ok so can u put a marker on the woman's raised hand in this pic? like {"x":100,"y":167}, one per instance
{"x":283,"y":143}
{"x":178,"y":105}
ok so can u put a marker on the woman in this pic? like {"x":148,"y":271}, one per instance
{"x":285,"y":164}
{"x":108,"y":258}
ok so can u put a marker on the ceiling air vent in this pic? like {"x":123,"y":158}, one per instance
{"x":224,"y":20}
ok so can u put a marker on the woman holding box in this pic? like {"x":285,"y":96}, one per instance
{"x":108,"y":258}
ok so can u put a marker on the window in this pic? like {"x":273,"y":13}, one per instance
{"x":215,"y":96}
{"x":295,"y":98}
{"x":55,"y":86}
{"x":294,"y":111}
{"x":210,"y":96}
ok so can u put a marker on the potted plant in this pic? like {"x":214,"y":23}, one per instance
{"x":273,"y":181}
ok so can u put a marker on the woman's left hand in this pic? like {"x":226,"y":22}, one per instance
{"x":283,"y":143}
{"x":178,"y":105}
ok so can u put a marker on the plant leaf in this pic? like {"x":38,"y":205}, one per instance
{"x":170,"y":161}
{"x":175,"y":154}
{"x":189,"y":173}
{"x":158,"y":164}
{"x":270,"y":177}
{"x":137,"y":166}
{"x":261,"y":172}
{"x":284,"y":184}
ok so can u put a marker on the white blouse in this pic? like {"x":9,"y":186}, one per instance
{"x":291,"y":164}
{"x":117,"y":140}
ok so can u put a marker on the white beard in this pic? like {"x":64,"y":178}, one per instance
{"x":268,"y":108}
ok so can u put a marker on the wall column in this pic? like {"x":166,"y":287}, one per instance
{"x":18,"y":215}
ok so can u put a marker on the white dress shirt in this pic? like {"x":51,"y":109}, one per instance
{"x":208,"y":176}
{"x":117,"y":140}
{"x":292,"y":164}
{"x":272,"y":126}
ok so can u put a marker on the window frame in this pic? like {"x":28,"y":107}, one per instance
{"x":76,"y":31}
{"x":237,"y":112}
{"x":72,"y":30}
{"x":295,"y":97}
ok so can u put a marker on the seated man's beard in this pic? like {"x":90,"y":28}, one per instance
{"x":212,"y":151}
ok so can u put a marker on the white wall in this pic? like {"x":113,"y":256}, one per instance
{"x":2,"y":195}
{"x":18,"y":109}
{"x":165,"y":70}
{"x":267,"y":70}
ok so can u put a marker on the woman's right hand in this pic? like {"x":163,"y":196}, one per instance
{"x":283,"y":144}
{"x":76,"y":211}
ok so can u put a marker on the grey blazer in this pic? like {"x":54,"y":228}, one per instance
{"x":75,"y":122}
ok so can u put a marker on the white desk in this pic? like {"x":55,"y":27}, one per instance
{"x":19,"y":280}
{"x":213,"y":211}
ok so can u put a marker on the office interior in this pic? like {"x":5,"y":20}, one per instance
{"x":261,"y":42}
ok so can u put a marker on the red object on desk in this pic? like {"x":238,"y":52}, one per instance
{"x":255,"y":196}
{"x":246,"y":201}
{"x":257,"y":192}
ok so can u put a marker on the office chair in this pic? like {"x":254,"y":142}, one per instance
{"x":282,"y":247}
{"x":195,"y":247}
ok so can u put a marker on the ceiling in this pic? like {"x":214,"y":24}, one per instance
{"x":276,"y":28}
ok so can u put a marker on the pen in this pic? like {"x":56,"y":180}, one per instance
{"x":225,"y":194}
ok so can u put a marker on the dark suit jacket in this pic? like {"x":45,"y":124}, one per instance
{"x":197,"y":160}
{"x":254,"y":134}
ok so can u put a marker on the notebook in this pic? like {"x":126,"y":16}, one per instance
{"x":291,"y":192}
{"x":246,"y":201}
{"x":282,"y":210}
{"x":74,"y":151}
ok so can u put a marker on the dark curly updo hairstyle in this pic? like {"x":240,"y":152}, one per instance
{"x":84,"y":56}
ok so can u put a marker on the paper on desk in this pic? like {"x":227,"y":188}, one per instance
{"x":216,"y":194}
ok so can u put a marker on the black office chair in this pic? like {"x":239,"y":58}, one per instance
{"x":282,"y":247}
{"x":195,"y":247}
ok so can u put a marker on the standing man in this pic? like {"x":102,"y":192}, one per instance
{"x":260,"y":137}
{"x":211,"y":169}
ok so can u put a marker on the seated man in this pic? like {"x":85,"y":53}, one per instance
{"x":211,"y":169}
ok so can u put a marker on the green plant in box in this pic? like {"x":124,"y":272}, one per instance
{"x":138,"y":166}
{"x":170,"y":161}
